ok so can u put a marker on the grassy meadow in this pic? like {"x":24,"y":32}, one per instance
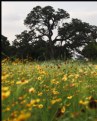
{"x":49,"y":91}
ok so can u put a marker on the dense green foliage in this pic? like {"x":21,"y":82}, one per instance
{"x":90,"y":51}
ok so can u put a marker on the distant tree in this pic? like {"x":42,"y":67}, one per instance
{"x":23,"y":45}
{"x":43,"y":21}
{"x":77,"y":34}
{"x":40,"y":40}
{"x":26,"y":46}
{"x":39,"y":50}
{"x":90,"y":51}
{"x":4,"y":46}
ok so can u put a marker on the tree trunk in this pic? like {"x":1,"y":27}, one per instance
{"x":51,"y":48}
{"x":51,"y":51}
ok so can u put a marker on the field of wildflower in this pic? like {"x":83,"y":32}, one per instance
{"x":49,"y":91}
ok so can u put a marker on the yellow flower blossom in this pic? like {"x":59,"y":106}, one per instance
{"x":5,"y":88}
{"x":22,"y":82}
{"x":53,"y":81}
{"x":39,"y":78}
{"x":5,"y":94}
{"x":18,"y":82}
{"x":83,"y":102}
{"x":56,"y":100}
{"x":95,"y":66}
{"x":55,"y":92}
{"x":32,"y":90}
{"x":76,"y":76}
{"x":40,"y":106}
{"x":34,"y":101}
{"x":37,"y":100}
{"x":42,"y":72}
{"x":23,"y":117}
{"x":69,"y":97}
{"x":64,"y":78}
{"x":40,"y":94}
{"x":4,"y":77}
{"x":63,"y":109}
{"x":29,"y":105}
{"x":89,"y":97}
{"x":53,"y":102}
{"x":7,"y":109}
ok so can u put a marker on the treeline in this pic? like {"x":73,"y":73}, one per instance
{"x":51,"y":37}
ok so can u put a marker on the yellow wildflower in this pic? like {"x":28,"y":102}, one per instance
{"x":59,"y":100}
{"x":39,"y":78}
{"x":40,"y":94}
{"x":95,"y":66}
{"x":34,"y":101}
{"x":28,"y":105}
{"x":55,"y":92}
{"x":40,"y":106}
{"x":5,"y":88}
{"x":4,"y":77}
{"x":5,"y":94}
{"x":83,"y":102}
{"x":89,"y":97}
{"x":23,"y":116}
{"x":7,"y":109}
{"x":63,"y":109}
{"x":56,"y":100}
{"x":76,"y":76}
{"x":18,"y":82}
{"x":37,"y":100}
{"x":32,"y":90}
{"x":69,"y":97}
{"x":80,"y":70}
{"x":53,"y":81}
{"x":22,"y":82}
{"x":64,"y":78}
{"x":42,"y":72}
{"x":53,"y":102}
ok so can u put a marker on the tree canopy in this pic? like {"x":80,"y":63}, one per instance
{"x":49,"y":36}
{"x":90,"y":51}
{"x":43,"y":21}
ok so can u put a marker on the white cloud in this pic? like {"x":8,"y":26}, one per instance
{"x":92,"y":13}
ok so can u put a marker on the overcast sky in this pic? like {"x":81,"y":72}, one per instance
{"x":14,"y":13}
